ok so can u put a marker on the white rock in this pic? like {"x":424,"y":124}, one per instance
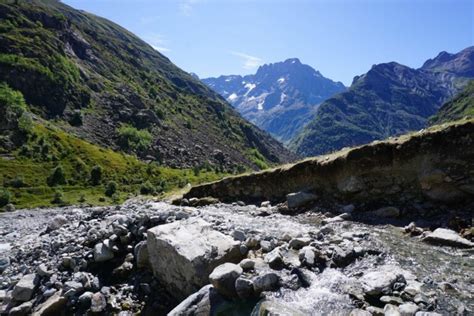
{"x":223,"y":279}
{"x":183,"y":254}
{"x":443,"y":236}
{"x":408,"y":309}
{"x":391,"y":310}
{"x":102,"y":252}
{"x":298,"y":199}
{"x":376,"y":280}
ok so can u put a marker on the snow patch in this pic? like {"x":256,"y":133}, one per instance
{"x":281,"y":80}
{"x":250,"y":87}
{"x":232,"y":97}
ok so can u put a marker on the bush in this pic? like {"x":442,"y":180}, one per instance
{"x":111,"y":188}
{"x":96,"y":175}
{"x":82,"y":199}
{"x":76,"y":118}
{"x":58,"y":198}
{"x":131,"y":138}
{"x":57,"y":177}
{"x":5,"y":197}
{"x":147,"y":188}
{"x":17,"y":182}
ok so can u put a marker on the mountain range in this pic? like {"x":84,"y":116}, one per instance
{"x":390,"y":99}
{"x":279,"y":98}
{"x":96,"y":80}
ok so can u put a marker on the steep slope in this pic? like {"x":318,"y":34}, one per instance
{"x":280,"y":98}
{"x":390,"y":99}
{"x":461,"y":106}
{"x":102,"y":83}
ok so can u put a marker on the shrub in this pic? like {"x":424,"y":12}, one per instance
{"x":58,"y":198}
{"x":96,"y":175}
{"x":76,"y":119}
{"x":147,"y":188}
{"x":57,"y":177}
{"x":82,"y":199}
{"x":17,"y":182}
{"x":5,"y":197}
{"x":111,"y":188}
{"x":131,"y":138}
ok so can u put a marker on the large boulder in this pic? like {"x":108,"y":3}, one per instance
{"x":299,"y":199}
{"x":202,"y":303}
{"x":183,"y":254}
{"x":447,"y":237}
{"x":375,"y":282}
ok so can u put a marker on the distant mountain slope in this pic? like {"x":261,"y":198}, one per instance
{"x":101,"y":82}
{"x":280,"y":98}
{"x":461,"y":106}
{"x":390,"y":99}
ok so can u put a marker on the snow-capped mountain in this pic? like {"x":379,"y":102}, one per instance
{"x":280,"y":98}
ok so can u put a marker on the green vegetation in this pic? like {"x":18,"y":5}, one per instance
{"x":75,"y":169}
{"x":258,"y":159}
{"x":131,"y":138}
{"x":461,"y":106}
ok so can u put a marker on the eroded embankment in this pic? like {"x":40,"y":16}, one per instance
{"x":434,"y":166}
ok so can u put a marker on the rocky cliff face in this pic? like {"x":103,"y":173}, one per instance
{"x":390,"y":99}
{"x":432,"y":166}
{"x":461,"y":106}
{"x":95,"y":77}
{"x":280,"y":98}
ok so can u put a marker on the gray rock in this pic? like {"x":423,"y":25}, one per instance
{"x":57,"y":222}
{"x":408,"y":309}
{"x":247,"y":264}
{"x":298,"y":243}
{"x":239,"y":235}
{"x":24,"y":289}
{"x":447,"y":237}
{"x":43,"y":271}
{"x":9,"y":208}
{"x":244,"y":288}
{"x":274,"y":259}
{"x":391,"y":300}
{"x":4,"y":263}
{"x":299,"y":199}
{"x":201,"y":303}
{"x":267,"y":246}
{"x":98,"y":303}
{"x":388,"y":211}
{"x":427,"y":314}
{"x":335,"y":219}
{"x":52,"y":306}
{"x":141,"y":254}
{"x":85,"y":299}
{"x":183,"y":254}
{"x":22,"y":309}
{"x":375,"y":281}
{"x":391,"y":310}
{"x":376,"y":311}
{"x":72,"y":288}
{"x":102,"y":252}
{"x":223,"y":279}
{"x":266,"y":282}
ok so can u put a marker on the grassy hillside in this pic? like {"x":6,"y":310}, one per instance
{"x":461,"y":106}
{"x":101,"y":82}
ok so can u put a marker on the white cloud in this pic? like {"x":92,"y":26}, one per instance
{"x":158,"y":42}
{"x":249,"y":62}
{"x":186,"y":6}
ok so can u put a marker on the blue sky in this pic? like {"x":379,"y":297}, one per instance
{"x":339,"y":38}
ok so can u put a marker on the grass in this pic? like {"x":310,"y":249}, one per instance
{"x":33,"y":164}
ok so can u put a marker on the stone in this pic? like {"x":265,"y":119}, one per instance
{"x":388,"y":211}
{"x":239,"y":235}
{"x":267,"y":246}
{"x":201,"y":303}
{"x":56,"y":222}
{"x":274,"y":308}
{"x":102,"y":252}
{"x":427,"y":314}
{"x":268,"y":281}
{"x":447,"y":237}
{"x":183,"y":254}
{"x":391,"y":300}
{"x":298,"y":243}
{"x":4,"y":263}
{"x":348,"y":208}
{"x":266,"y":204}
{"x":223,"y":279}
{"x":244,"y":288}
{"x":376,"y":311}
{"x":375,"y":281}
{"x":335,"y":219}
{"x":98,"y":303}
{"x":359,"y":312}
{"x":85,"y":299}
{"x":141,"y":254}
{"x":275,"y":259}
{"x":9,"y":207}
{"x":299,"y":199}
{"x":43,"y":271}
{"x":72,"y":288}
{"x":247,"y":264}
{"x":391,"y":310}
{"x":408,"y":309}
{"x":22,"y":309}
{"x":24,"y":289}
{"x":54,"y":305}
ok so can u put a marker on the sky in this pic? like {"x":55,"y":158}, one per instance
{"x":340,"y":38}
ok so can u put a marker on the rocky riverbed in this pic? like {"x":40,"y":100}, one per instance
{"x":227,"y":259}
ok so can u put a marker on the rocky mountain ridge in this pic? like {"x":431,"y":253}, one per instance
{"x":279,"y":98}
{"x":390,"y":99}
